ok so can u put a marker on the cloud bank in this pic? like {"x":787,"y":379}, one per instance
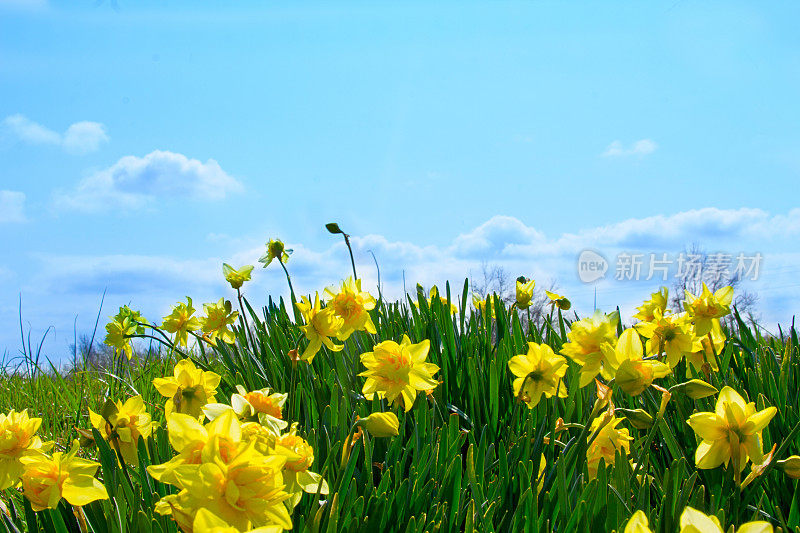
{"x":79,"y":138}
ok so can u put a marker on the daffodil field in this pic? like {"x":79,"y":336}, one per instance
{"x":448,"y":411}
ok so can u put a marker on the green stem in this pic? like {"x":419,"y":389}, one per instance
{"x":352,"y":261}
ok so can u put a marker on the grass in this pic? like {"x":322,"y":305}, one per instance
{"x":466,"y":457}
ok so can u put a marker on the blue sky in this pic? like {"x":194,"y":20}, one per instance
{"x":143,"y":143}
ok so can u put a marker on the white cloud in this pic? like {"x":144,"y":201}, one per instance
{"x":133,"y":181}
{"x":79,"y":138}
{"x":641,"y":147}
{"x":12,"y":206}
{"x":153,"y":283}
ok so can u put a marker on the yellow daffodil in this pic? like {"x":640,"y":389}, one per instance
{"x":538,"y":372}
{"x":299,"y":458}
{"x":352,"y":305}
{"x":708,"y":306}
{"x":694,"y":521}
{"x":434,"y":295}
{"x":215,"y":325}
{"x":525,"y":293}
{"x":320,"y":325}
{"x":207,"y":522}
{"x":123,"y":425}
{"x":181,"y":321}
{"x":638,"y":523}
{"x":275,"y":250}
{"x":486,"y":306}
{"x":195,"y":443}
{"x":609,"y":440}
{"x":658,"y":302}
{"x":732,"y":431}
{"x":17,"y":440}
{"x":586,"y":337}
{"x":381,"y":424}
{"x":119,"y":331}
{"x":188,"y":389}
{"x":244,"y":492}
{"x":631,"y":372}
{"x":668,"y":334}
{"x":397,"y":371}
{"x":45,"y":480}
{"x":236,"y":277}
{"x":559,"y":301}
{"x":703,"y":352}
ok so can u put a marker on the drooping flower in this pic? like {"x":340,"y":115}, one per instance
{"x":181,"y":321}
{"x":538,"y":372}
{"x":694,"y":521}
{"x":638,"y":523}
{"x":45,"y":480}
{"x":609,"y":440}
{"x":657,"y":302}
{"x":296,"y":472}
{"x":216,"y":324}
{"x":236,"y":277}
{"x":17,"y":439}
{"x":586,"y":337}
{"x":625,"y":361}
{"x":708,"y":306}
{"x":188,"y":389}
{"x":123,"y":425}
{"x":668,"y":334}
{"x":732,"y":431}
{"x":352,"y":305}
{"x":275,"y":250}
{"x":320,"y":325}
{"x":524,"y":292}
{"x":559,"y":301}
{"x":398,"y":371}
{"x":381,"y":424}
{"x":122,"y":326}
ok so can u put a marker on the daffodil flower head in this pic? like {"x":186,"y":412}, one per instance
{"x":181,"y":321}
{"x":608,"y":441}
{"x":320,"y":325}
{"x":235,"y":277}
{"x":625,"y":360}
{"x":17,"y":439}
{"x":45,"y":480}
{"x":275,"y":250}
{"x":123,"y":425}
{"x":352,"y":305}
{"x":731,"y":432}
{"x":658,"y":302}
{"x":188,"y":389}
{"x":538,"y":372}
{"x":524,"y":292}
{"x":485,"y":306}
{"x":638,"y":523}
{"x":207,"y":522}
{"x":216,"y":324}
{"x":381,"y":424}
{"x":398,"y":371}
{"x":586,"y":337}
{"x":708,"y":306}
{"x":247,"y":492}
{"x":559,"y":301}
{"x":262,"y":405}
{"x":296,"y":472}
{"x":694,"y":521}
{"x":668,"y":334}
{"x":434,"y":294}
{"x":122,"y":326}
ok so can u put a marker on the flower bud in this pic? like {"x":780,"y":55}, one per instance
{"x":791,"y":465}
{"x":695,"y":389}
{"x":381,"y":424}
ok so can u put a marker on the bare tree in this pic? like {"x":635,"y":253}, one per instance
{"x":696,"y":266}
